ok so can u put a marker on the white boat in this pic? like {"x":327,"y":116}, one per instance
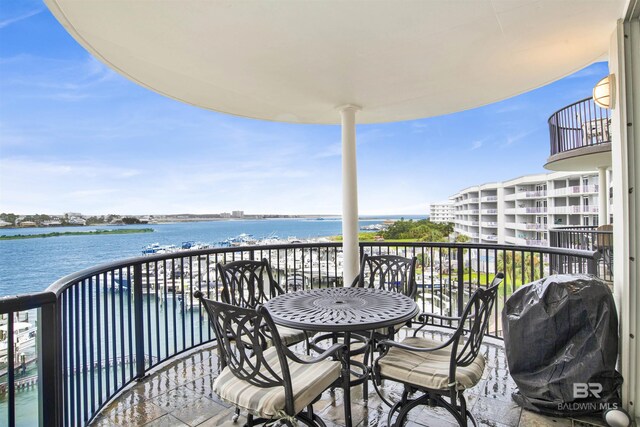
{"x":24,"y":336}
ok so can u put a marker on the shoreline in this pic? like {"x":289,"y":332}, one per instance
{"x":75,"y":233}
{"x":173,"y":220}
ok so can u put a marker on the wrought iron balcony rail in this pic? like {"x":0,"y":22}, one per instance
{"x":105,"y":327}
{"x":581,"y":124}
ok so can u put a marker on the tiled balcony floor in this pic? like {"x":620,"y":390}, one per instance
{"x":180,"y":394}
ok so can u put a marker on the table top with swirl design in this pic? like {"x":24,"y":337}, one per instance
{"x":341,"y":309}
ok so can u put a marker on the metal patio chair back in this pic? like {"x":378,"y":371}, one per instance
{"x":474,"y":322}
{"x":389,"y":272}
{"x":240,"y":333}
{"x":247,"y":283}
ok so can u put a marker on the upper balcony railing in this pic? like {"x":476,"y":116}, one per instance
{"x":579,"y":125}
{"x":575,"y":189}
{"x":103,"y":328}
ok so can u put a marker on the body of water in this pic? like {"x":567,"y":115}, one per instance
{"x":31,"y":265}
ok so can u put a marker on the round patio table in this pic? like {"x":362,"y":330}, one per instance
{"x":342,"y":310}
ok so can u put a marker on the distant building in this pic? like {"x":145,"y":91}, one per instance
{"x":77,"y":221}
{"x":5,"y":223}
{"x":27,"y":224}
{"x":225,"y":215}
{"x":237,"y":214}
{"x":520,"y":211}
{"x":441,"y":212}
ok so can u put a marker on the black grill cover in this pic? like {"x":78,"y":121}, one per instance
{"x":559,"y":331}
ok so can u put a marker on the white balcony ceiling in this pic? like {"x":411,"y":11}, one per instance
{"x":296,"y":61}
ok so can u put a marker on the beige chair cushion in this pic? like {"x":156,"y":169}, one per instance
{"x":308,"y":382}
{"x":428,"y":369}
{"x":290,"y":336}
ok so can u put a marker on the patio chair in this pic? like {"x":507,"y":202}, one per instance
{"x":391,"y":273}
{"x":272,"y":384}
{"x":248,"y":284}
{"x":436,"y":370}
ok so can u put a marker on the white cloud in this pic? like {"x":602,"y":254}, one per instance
{"x":12,"y":20}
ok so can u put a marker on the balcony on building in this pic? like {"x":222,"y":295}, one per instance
{"x":580,"y":137}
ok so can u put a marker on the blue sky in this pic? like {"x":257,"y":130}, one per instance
{"x":76,"y":136}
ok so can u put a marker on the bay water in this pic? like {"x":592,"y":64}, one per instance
{"x":31,"y":265}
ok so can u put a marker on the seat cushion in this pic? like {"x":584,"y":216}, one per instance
{"x":290,"y":336}
{"x":428,"y":369}
{"x":308,"y":382}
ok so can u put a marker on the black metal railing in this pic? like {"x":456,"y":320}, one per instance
{"x":588,"y":238}
{"x":102,"y":328}
{"x":581,"y":124}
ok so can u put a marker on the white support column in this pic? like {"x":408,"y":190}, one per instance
{"x":603,"y":193}
{"x":624,"y":63}
{"x":350,"y":246}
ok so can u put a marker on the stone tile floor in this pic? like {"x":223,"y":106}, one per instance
{"x":180,"y":394}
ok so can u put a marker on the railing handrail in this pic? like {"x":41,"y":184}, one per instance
{"x":63,"y":283}
{"x":23,"y":302}
{"x":575,"y":227}
{"x":555,"y":113}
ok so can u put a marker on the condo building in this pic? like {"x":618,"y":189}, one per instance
{"x":522,"y":210}
{"x":441,"y":212}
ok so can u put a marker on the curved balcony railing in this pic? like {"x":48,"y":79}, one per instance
{"x":581,"y":124}
{"x":102,"y":328}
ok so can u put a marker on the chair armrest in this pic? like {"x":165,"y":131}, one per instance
{"x":423,"y":317}
{"x":386,"y":344}
{"x":336,"y":349}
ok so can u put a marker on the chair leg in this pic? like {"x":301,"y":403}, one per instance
{"x":236,"y":415}
{"x":310,"y":419}
{"x":365,"y":384}
{"x":397,"y":406}
{"x":452,"y":408}
{"x":422,"y":400}
{"x":465,"y":413}
{"x":346,"y":381}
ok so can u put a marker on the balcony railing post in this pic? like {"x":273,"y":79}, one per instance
{"x":138,"y":316}
{"x":460,"y":255}
{"x":49,"y":367}
{"x":592,"y":264}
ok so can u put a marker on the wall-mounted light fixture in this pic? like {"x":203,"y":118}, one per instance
{"x":604,"y":90}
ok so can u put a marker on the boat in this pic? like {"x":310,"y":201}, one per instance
{"x":157,"y":248}
{"x":24,"y":336}
{"x":374,"y":227}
